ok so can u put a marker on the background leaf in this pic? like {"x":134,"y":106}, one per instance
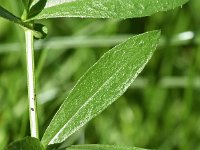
{"x":106,"y":8}
{"x":102,"y":147}
{"x":101,"y":85}
{"x":28,"y":143}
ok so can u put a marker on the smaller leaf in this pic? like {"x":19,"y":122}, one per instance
{"x":9,"y":16}
{"x":28,"y":143}
{"x":27,"y":4}
{"x":37,"y":8}
{"x":102,"y":147}
{"x":39,"y":31}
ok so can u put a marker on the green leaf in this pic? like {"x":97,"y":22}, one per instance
{"x":27,"y":4}
{"x":39,"y":30}
{"x":37,"y":8}
{"x":102,"y":147}
{"x":106,"y":8}
{"x":101,"y":85}
{"x":28,"y":143}
{"x":9,"y":16}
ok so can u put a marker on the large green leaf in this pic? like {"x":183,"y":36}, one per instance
{"x":101,"y":85}
{"x":106,"y":8}
{"x":28,"y":143}
{"x":102,"y":147}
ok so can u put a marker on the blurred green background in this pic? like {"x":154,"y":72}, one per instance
{"x":160,"y":110}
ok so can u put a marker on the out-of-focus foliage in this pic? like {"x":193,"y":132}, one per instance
{"x":160,"y":110}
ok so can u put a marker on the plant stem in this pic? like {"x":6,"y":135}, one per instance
{"x":31,"y":84}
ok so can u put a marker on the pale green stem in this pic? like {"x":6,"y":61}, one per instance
{"x":31,"y":84}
